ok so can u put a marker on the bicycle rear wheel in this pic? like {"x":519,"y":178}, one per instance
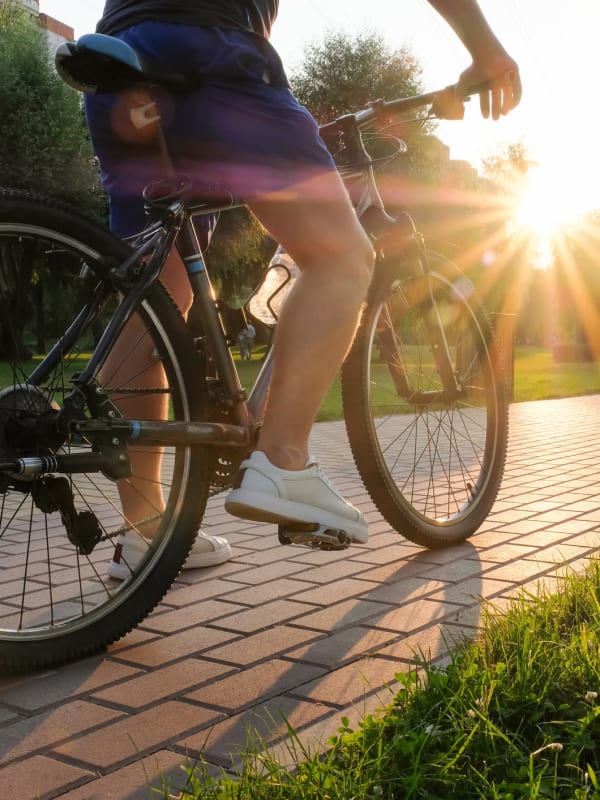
{"x":58,"y":602}
{"x":431,"y":465}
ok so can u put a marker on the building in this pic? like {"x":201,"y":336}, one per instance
{"x":57,"y":32}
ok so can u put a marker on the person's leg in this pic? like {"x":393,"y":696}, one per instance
{"x":141,"y":494}
{"x":320,"y":231}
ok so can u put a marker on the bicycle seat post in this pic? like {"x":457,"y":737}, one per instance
{"x":190,"y":250}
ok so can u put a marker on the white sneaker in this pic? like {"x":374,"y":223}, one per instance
{"x":267,"y":493}
{"x":130,"y":547}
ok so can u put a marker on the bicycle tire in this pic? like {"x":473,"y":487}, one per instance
{"x":58,"y":604}
{"x":434,"y":469}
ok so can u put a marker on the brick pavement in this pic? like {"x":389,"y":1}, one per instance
{"x":286,"y":631}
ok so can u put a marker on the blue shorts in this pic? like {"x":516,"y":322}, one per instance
{"x":241,"y":130}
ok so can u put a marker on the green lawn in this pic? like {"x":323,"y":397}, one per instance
{"x":537,"y":377}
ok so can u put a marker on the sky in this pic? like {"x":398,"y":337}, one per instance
{"x":555,"y":43}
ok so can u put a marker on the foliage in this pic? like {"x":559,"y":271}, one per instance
{"x":341,"y":74}
{"x":508,"y":166}
{"x":43,"y":142}
{"x":44,"y":148}
{"x":238,"y":252}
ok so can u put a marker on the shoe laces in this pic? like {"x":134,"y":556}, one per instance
{"x":314,"y":463}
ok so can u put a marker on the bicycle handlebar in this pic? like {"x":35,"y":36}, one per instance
{"x":447,"y":103}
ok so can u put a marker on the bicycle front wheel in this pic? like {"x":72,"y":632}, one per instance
{"x":58,"y":529}
{"x":432,"y":463}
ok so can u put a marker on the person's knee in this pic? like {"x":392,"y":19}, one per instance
{"x":351,"y":257}
{"x":357,"y":261}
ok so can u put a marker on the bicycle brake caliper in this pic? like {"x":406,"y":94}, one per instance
{"x":313,"y":535}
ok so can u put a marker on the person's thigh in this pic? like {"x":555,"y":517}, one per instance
{"x":316,"y":224}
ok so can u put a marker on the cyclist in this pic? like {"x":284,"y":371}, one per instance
{"x":240,"y":127}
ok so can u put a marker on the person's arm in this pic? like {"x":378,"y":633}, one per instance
{"x":491,"y":62}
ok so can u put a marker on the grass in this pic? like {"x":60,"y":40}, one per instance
{"x":514,"y":714}
{"x":536,"y":377}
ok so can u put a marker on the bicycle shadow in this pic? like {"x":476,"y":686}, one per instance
{"x":408,"y":613}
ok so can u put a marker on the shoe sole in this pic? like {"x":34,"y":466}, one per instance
{"x":242,"y":504}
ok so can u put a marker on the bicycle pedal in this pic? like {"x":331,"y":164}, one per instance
{"x":313,"y":535}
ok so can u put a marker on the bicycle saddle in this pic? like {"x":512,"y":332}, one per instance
{"x":97,"y":64}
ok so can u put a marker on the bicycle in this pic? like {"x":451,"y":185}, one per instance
{"x":423,"y":393}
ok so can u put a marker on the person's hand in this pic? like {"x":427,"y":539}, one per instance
{"x":503,"y":85}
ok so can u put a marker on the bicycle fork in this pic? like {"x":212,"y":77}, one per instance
{"x":451,"y":385}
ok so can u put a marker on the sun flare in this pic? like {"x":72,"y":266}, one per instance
{"x":549,"y":202}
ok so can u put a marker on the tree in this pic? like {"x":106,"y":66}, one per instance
{"x":238,"y":253}
{"x":341,"y":74}
{"x":42,"y":128}
{"x":44,"y":148}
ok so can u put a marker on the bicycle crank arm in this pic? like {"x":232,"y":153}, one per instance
{"x":315,"y":536}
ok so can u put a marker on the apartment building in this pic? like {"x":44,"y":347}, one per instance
{"x":57,"y":31}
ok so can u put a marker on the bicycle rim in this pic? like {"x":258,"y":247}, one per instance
{"x":432,"y":467}
{"x":58,"y":601}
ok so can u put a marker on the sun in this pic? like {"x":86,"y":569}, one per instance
{"x":549,"y":202}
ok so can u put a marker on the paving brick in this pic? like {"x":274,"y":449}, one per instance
{"x":136,"y":735}
{"x":164,"y":650}
{"x":429,"y":644}
{"x":41,"y":732}
{"x":352,"y":683}
{"x":265,"y":592}
{"x":248,"y":686}
{"x":342,"y":615}
{"x":412,"y":616}
{"x":469,"y":591}
{"x":142,"y":780}
{"x":347,"y":645}
{"x":327,"y":594}
{"x":262,"y":646}
{"x":201,"y":591}
{"x":404,"y":591}
{"x":253,"y":729}
{"x":161,"y":684}
{"x":331,"y":571}
{"x":517,"y":572}
{"x":558,"y":554}
{"x":269,"y":572}
{"x":458,"y":571}
{"x":189,"y":616}
{"x":38,"y":778}
{"x":73,"y":681}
